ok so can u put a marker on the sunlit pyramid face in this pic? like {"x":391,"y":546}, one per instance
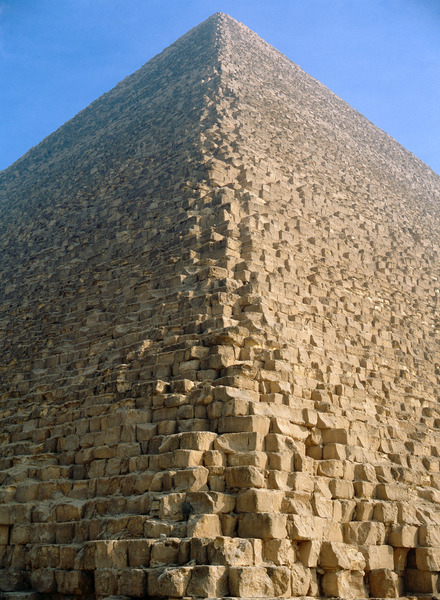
{"x":219,"y":342}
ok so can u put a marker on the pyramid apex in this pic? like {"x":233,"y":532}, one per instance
{"x":221,"y":18}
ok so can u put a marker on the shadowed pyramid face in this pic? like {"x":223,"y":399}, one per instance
{"x":219,"y":342}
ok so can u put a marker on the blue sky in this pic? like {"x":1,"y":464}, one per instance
{"x":380,"y":56}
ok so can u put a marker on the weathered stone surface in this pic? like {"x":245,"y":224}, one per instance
{"x":344,"y":584}
{"x":335,"y":556}
{"x":384,"y":583}
{"x":171,"y":582}
{"x":219,"y":349}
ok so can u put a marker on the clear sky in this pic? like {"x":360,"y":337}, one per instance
{"x":380,"y":56}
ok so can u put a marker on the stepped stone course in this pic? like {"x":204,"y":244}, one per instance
{"x":220,"y":355}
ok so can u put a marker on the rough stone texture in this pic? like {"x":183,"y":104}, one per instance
{"x":219,"y":342}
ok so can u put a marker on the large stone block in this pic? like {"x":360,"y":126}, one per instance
{"x":424,"y":582}
{"x":305,"y":527}
{"x":384,"y":583}
{"x":204,"y":526}
{"x":259,"y":500}
{"x":259,"y":582}
{"x":262,"y":525}
{"x":191,"y":480}
{"x":208,"y":582}
{"x":244,"y":477}
{"x":403,"y":536}
{"x":169,"y":583}
{"x":133,"y":583}
{"x":344,"y":584}
{"x":335,"y":556}
{"x":377,"y":557}
{"x":301,"y":579}
{"x":364,"y":533}
{"x":252,"y":423}
{"x":428,"y":559}
{"x":110,"y":554}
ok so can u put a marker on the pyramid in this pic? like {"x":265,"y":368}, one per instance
{"x":219,"y":342}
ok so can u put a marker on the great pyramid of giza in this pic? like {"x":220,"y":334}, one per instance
{"x":220,"y":352}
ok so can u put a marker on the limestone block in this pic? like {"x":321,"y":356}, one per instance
{"x":146,"y":431}
{"x":225,"y":393}
{"x":44,"y":556}
{"x":309,"y":552}
{"x":256,"y":459}
{"x":257,"y":500}
{"x":106,"y":582}
{"x":244,"y":477}
{"x":26,"y":492}
{"x":377,"y":557}
{"x":143,"y":482}
{"x":302,"y":482}
{"x":70,"y":558}
{"x":208,"y":582}
{"x":403,"y":536}
{"x":5,"y":515}
{"x":331,"y":468}
{"x":133,"y":583}
{"x":281,"y":578}
{"x":364,"y":533}
{"x":424,"y":582}
{"x":214,"y":458}
{"x":341,"y":488}
{"x":390,"y":491}
{"x":231,"y":551}
{"x":262,"y":525}
{"x":110,"y":554}
{"x":386,"y":512}
{"x":332,"y":531}
{"x":229,"y":524}
{"x":429,"y":535}
{"x":191,"y":480}
{"x":171,"y":506}
{"x":4,"y":535}
{"x":304,"y":527}
{"x":169,"y":583}
{"x":73,"y":582}
{"x":209,"y":502}
{"x":139,"y":552}
{"x":165,"y":552}
{"x":400,"y":559}
{"x":198,"y":550}
{"x":185,"y":458}
{"x":197,"y":440}
{"x":428,"y":559}
{"x":43,"y":580}
{"x":364,"y":489}
{"x":278,"y":552}
{"x":204,"y":526}
{"x":301,"y":579}
{"x":275,"y":442}
{"x":69,"y":512}
{"x":322,"y":506}
{"x":383,"y":583}
{"x":335,"y":556}
{"x":344,"y":584}
{"x":251,"y":423}
{"x":239,"y":442}
{"x":258,"y":582}
{"x":334,"y":452}
{"x":285,"y":427}
{"x":335,"y":435}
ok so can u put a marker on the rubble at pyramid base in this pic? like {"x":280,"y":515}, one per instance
{"x":219,"y":343}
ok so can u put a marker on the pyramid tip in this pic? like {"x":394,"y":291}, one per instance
{"x":221,"y":16}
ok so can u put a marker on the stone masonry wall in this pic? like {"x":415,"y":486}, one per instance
{"x":220,"y":359}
